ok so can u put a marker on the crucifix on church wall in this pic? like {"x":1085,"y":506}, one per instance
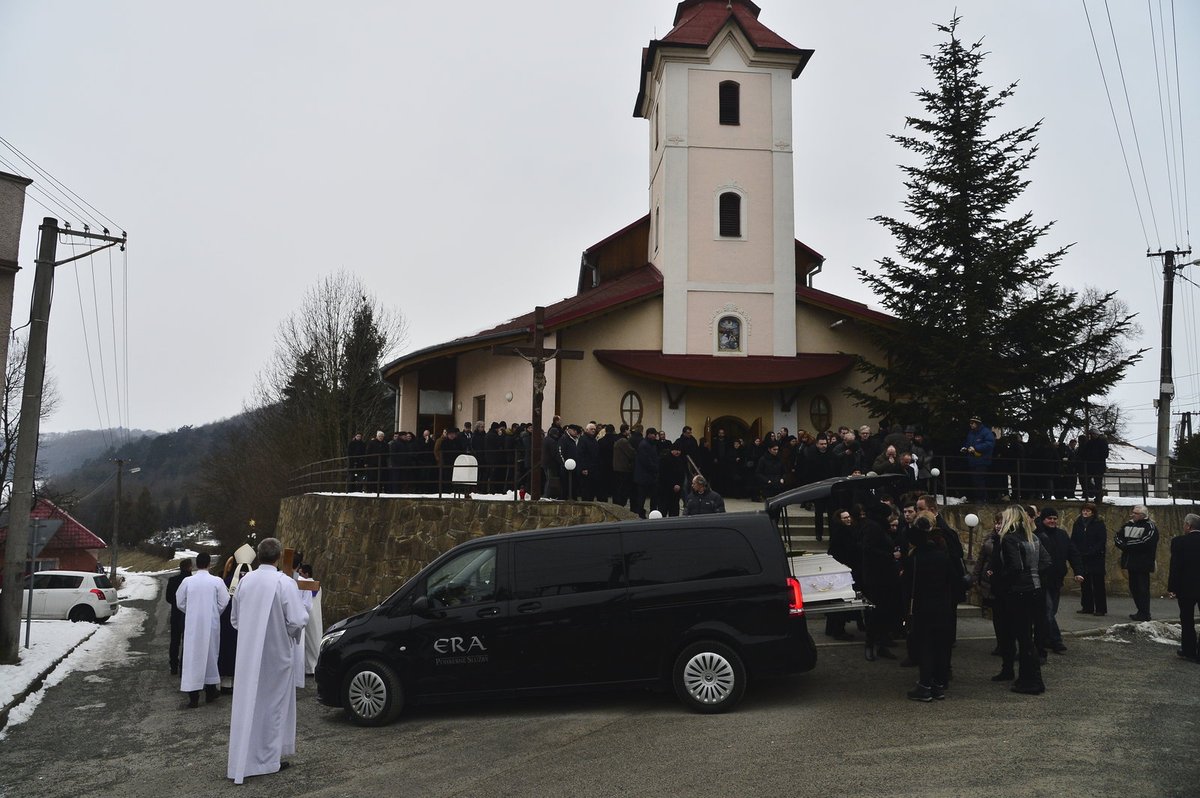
{"x":537,"y":356}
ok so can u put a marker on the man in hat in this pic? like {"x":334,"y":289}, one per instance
{"x":1062,"y":552}
{"x":977,"y":450}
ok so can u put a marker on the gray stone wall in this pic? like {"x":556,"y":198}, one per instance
{"x":1168,"y":519}
{"x":363,"y":548}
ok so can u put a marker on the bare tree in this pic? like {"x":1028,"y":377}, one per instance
{"x":10,"y":411}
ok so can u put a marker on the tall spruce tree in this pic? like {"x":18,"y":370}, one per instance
{"x":981,"y":328}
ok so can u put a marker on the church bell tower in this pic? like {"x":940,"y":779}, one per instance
{"x":716,"y":91}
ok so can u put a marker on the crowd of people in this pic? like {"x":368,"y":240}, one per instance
{"x":984,"y":467}
{"x":910,"y":565}
{"x":253,"y":629}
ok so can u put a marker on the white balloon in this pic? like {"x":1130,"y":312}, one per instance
{"x":570,"y":464}
{"x":937,"y":472}
{"x":654,"y":514}
{"x":972,"y":519}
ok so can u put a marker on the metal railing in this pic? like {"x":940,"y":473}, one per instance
{"x":356,"y":475}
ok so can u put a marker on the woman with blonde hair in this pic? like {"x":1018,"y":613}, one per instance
{"x":1017,"y":562}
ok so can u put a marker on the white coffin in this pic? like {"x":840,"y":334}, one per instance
{"x":466,"y":470}
{"x":823,"y":578}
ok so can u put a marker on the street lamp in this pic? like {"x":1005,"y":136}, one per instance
{"x":972,"y":522}
{"x":569,"y":464}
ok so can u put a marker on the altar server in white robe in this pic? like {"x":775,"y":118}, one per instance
{"x":312,"y":632}
{"x":269,"y":616}
{"x":306,"y":599}
{"x":202,"y":603}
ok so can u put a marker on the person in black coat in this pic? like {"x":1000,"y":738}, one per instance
{"x":588,"y":451}
{"x":645,"y":473}
{"x":932,"y":581}
{"x":1062,"y":552}
{"x":770,"y":471}
{"x":376,"y":463}
{"x":1090,"y":537}
{"x":1183,"y":583}
{"x":1138,"y":542}
{"x":571,"y":479}
{"x":1019,"y":561}
{"x":552,"y":487}
{"x":843,"y":547}
{"x":356,"y":460}
{"x":177,"y":616}
{"x":672,"y":478}
{"x":880,"y":579}
{"x":818,"y":465}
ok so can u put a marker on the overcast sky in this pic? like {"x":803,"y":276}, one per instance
{"x":458,"y":157}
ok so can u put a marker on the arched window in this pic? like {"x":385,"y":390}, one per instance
{"x":631,"y":409}
{"x":729,"y":334}
{"x":729,"y":101}
{"x":730,"y":213}
{"x":818,"y":413}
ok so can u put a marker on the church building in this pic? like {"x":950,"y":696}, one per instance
{"x":702,"y":312}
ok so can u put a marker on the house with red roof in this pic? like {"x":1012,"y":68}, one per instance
{"x":702,"y":312}
{"x":73,"y":546}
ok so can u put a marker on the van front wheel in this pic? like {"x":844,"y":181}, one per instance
{"x":709,"y":677}
{"x":372,"y":694}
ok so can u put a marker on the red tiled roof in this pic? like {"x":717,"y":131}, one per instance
{"x":753,"y":371}
{"x":637,"y":285}
{"x":697,"y":23}
{"x":824,"y":299}
{"x":71,"y":535}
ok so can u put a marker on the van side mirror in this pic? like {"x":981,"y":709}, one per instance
{"x":423,"y":606}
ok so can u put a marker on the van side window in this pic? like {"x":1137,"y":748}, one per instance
{"x":469,"y":578}
{"x":703,"y":554}
{"x":567,"y":565}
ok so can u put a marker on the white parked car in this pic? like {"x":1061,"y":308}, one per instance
{"x":70,"y":595}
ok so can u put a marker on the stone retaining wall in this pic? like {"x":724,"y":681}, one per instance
{"x":363,"y":548}
{"x":1168,"y":519}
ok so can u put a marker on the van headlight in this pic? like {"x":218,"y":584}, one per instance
{"x":331,"y":638}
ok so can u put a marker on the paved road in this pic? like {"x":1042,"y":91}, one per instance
{"x":1119,"y":719}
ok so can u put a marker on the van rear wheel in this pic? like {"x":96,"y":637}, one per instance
{"x":372,"y":694}
{"x":709,"y":677}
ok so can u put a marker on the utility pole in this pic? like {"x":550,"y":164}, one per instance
{"x":1166,"y":382}
{"x":24,"y":460}
{"x":112,"y":573}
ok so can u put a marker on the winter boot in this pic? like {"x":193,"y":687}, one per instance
{"x":921,"y":693}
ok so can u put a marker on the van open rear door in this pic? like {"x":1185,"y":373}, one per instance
{"x":827,"y":585}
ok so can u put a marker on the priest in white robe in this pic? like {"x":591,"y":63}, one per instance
{"x":201,"y":603}
{"x":306,"y":600}
{"x":269,"y":616}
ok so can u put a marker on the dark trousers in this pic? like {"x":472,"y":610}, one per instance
{"x":1139,"y":589}
{"x":640,"y":494}
{"x":622,"y":488}
{"x":176,"y":639}
{"x":1024,"y":613}
{"x":931,"y":646}
{"x":1053,"y":633}
{"x":820,"y":508}
{"x":1187,"y":624}
{"x":1094,"y":597}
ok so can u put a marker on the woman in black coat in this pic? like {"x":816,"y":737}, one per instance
{"x":1019,"y":561}
{"x":1090,"y":537}
{"x":931,"y":615}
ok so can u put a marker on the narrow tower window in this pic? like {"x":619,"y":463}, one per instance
{"x":730,"y":102}
{"x":731,"y":215}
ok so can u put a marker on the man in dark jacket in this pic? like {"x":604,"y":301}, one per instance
{"x":623,"y":456}
{"x":645,"y":473}
{"x":177,"y":616}
{"x":702,"y":501}
{"x":356,"y":456}
{"x":1093,"y":456}
{"x":672,"y":477}
{"x":818,"y":465}
{"x":1062,"y":552}
{"x":568,"y":449}
{"x":1090,"y":537}
{"x":769,"y":472}
{"x":1138,"y":542}
{"x":552,"y":486}
{"x":588,"y":463}
{"x":1183,"y":583}
{"x":377,"y":454}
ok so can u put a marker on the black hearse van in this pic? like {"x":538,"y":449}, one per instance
{"x":702,"y":604}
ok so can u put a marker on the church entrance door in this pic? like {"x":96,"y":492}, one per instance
{"x":734,"y":428}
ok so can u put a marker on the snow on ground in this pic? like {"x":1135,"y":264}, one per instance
{"x":1167,"y":634}
{"x":95,"y":646}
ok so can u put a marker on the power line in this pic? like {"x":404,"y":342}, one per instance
{"x":1116,"y":125}
{"x":1182,"y":149}
{"x":1132,"y":124}
{"x":1168,"y":152}
{"x":62,"y":187}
